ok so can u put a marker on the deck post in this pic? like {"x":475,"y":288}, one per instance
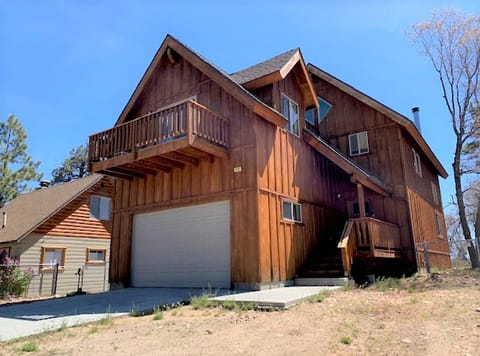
{"x":361,"y":200}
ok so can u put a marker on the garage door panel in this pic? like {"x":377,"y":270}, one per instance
{"x":183,"y":247}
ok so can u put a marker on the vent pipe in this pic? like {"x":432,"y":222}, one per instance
{"x":4,"y":220}
{"x":44,"y":184}
{"x":416,"y":117}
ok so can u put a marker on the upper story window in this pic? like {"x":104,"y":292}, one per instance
{"x":417,"y":163}
{"x":358,"y":143}
{"x":290,"y":111}
{"x":100,"y":207}
{"x":434,"y":193}
{"x":323,"y":110}
{"x":292,"y":211}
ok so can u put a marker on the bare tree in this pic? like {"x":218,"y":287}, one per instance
{"x":451,"y":40}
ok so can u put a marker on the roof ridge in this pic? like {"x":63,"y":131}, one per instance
{"x":293,"y":50}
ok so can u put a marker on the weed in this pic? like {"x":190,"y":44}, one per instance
{"x":346,"y":340}
{"x":317,"y":298}
{"x":106,"y":320}
{"x":202,"y":302}
{"x":346,"y":285}
{"x":63,"y":326}
{"x":229,"y":304}
{"x":157,"y":313}
{"x":29,"y":347}
{"x":387,"y":283}
{"x":93,"y":330}
{"x":247,"y":306}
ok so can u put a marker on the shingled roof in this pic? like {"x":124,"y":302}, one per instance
{"x":28,"y":211}
{"x":264,"y":68}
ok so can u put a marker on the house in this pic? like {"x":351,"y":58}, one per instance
{"x":69,"y":224}
{"x":252,"y":179}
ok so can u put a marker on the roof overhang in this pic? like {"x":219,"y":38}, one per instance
{"x":210,"y":70}
{"x":392,"y":114}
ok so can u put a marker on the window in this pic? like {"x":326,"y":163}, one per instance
{"x":53,"y":255}
{"x":100,"y":207}
{"x":290,"y":111}
{"x":292,"y":211}
{"x":97,"y":255}
{"x":434,"y":193}
{"x":310,"y":116}
{"x":417,"y":163}
{"x":324,"y":108}
{"x":439,"y":219}
{"x":358,"y":143}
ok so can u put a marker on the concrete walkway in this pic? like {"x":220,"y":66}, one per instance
{"x":19,"y":320}
{"x":279,"y":298}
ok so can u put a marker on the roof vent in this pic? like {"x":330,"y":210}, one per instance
{"x":416,"y":117}
{"x":44,"y":184}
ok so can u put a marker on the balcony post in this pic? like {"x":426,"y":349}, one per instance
{"x":190,"y":122}
{"x":361,"y":200}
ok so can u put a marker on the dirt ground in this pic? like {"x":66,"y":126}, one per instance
{"x":424,"y":315}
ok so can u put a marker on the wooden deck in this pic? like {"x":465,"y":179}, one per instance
{"x":159,"y":141}
{"x":368,"y":237}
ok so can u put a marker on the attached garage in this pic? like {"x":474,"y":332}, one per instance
{"x":182,"y":247}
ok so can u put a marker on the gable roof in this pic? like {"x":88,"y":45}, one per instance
{"x":276,"y":69}
{"x":28,"y":211}
{"x":213,"y":72}
{"x":392,"y":114}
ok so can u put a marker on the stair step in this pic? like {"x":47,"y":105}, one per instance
{"x":339,"y":281}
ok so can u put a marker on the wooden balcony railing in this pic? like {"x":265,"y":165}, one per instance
{"x":368,"y":237}
{"x":188,"y":119}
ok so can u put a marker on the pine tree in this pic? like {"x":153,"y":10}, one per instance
{"x":16,"y":166}
{"x":72,"y":167}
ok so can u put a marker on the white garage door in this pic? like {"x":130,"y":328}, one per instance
{"x":183,"y":247}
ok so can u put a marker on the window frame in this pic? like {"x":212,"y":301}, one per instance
{"x":290,"y":126}
{"x":417,"y":163}
{"x":95,"y":262}
{"x":293,"y":205}
{"x":435,"y":195}
{"x":357,"y":136}
{"x":46,"y":267}
{"x":101,"y":217}
{"x":439,"y":220}
{"x":320,"y":116}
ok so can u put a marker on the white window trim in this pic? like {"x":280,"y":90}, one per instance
{"x":357,"y":137}
{"x":292,"y":205}
{"x":289,"y":117}
{"x":106,"y":203}
{"x":417,"y":163}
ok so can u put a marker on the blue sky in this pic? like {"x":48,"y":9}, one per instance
{"x":67,"y":68}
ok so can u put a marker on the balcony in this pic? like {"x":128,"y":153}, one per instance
{"x":159,"y":141}
{"x":368,"y":237}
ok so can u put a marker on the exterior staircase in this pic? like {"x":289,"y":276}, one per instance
{"x":323,"y":268}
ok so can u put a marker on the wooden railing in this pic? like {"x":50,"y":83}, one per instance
{"x":370,"y":237}
{"x":186,"y":119}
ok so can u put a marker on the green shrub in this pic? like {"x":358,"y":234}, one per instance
{"x":13,"y":281}
{"x":346,"y":340}
{"x":386,"y":283}
{"x":202,"y":302}
{"x":29,"y":347}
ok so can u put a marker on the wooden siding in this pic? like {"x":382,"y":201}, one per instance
{"x":74,"y":219}
{"x":211,"y":180}
{"x":424,"y":227}
{"x":95,"y":277}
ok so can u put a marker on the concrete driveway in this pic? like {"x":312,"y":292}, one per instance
{"x":25,"y":319}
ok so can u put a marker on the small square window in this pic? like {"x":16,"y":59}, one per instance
{"x":52,"y":256}
{"x":292,"y":211}
{"x":358,"y":143}
{"x":96,"y":255}
{"x":100,"y":207}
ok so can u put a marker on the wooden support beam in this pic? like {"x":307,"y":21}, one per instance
{"x":183,"y":158}
{"x":138,"y":167}
{"x":126,"y":171}
{"x":361,"y":200}
{"x":157,"y":167}
{"x":165,"y":162}
{"x":116,"y":174}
